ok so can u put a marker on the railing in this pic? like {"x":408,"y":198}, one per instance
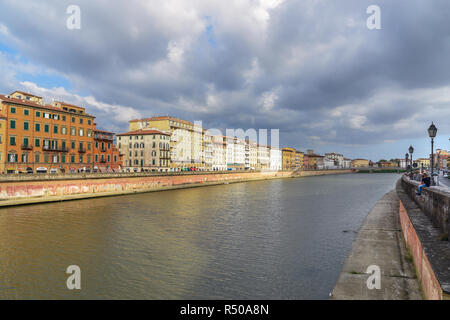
{"x":27,"y":147}
{"x":56,"y":149}
{"x":81,"y":150}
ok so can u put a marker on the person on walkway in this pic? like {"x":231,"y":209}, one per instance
{"x":426,"y":182}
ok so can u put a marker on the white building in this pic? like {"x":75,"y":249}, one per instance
{"x":276,"y":159}
{"x":263,"y":157}
{"x":347,"y":163}
{"x":329,"y":164}
{"x":337,"y":158}
{"x":219,"y":154}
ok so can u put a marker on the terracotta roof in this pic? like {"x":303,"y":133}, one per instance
{"x":26,"y":93}
{"x":102,"y":131}
{"x":37,"y":105}
{"x":163,"y":118}
{"x":142,"y":133}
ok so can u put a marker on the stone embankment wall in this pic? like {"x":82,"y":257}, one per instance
{"x":28,"y":189}
{"x":424,"y":223}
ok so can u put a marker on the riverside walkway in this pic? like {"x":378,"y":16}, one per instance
{"x":379,"y":243}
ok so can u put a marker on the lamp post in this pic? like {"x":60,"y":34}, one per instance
{"x":432,"y":131}
{"x":406,"y":161}
{"x":411,"y":151}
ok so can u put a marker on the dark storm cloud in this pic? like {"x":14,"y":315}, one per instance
{"x":310,"y":68}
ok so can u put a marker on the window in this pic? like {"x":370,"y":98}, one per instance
{"x":115,"y":158}
{"x":89,"y":132}
{"x":26,"y":112}
{"x":55,"y":129}
{"x":46,"y":115}
{"x":37,"y":157}
{"x":109,"y":145}
{"x":12,"y":124}
{"x":81,"y":158}
{"x":109,"y":158}
{"x":37,"y":142}
{"x":89,"y":146}
{"x":96,"y":158}
{"x":88,"y":158}
{"x":64,"y":118}
{"x":26,"y":125}
{"x":46,"y":128}
{"x":1,"y":139}
{"x":81,"y":132}
{"x":25,"y":141}
{"x":63,"y":158}
{"x":55,"y":158}
{"x":81,"y":121}
{"x":12,"y":141}
{"x":38,"y":114}
{"x":13,"y":157}
{"x":72,"y":158}
{"x":96,"y":144}
{"x":63,"y":130}
{"x":89,"y":122}
{"x":73,"y":145}
{"x":37,"y":127}
{"x":13,"y":110}
{"x":73,"y":131}
{"x":55,"y":117}
{"x":46,"y":158}
{"x":73,"y":119}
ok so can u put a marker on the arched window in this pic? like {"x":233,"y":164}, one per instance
{"x":136,"y":145}
{"x":13,"y":157}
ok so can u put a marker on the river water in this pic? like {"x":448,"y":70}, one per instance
{"x":277,"y":239}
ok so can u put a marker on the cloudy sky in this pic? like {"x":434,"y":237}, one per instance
{"x":310,"y":68}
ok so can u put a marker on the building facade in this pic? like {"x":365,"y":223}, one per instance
{"x":145,"y":150}
{"x":107,"y":157}
{"x":38,"y":137}
{"x":360,"y":163}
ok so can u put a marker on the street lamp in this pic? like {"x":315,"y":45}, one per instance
{"x":432,"y":131}
{"x":411,"y":151}
{"x":406,"y":161}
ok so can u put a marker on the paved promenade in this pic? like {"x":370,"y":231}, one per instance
{"x":379,"y":242}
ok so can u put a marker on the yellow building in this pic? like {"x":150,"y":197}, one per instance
{"x":186,"y":142}
{"x":289,"y":158}
{"x":423,"y":161}
{"x":299,"y":159}
{"x":360,"y":163}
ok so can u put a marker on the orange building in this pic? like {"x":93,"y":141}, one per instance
{"x":106,"y":155}
{"x":38,"y":137}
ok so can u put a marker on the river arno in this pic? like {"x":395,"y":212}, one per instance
{"x":278,"y":239}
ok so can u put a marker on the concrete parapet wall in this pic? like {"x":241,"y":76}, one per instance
{"x":320,"y":172}
{"x":431,"y":255}
{"x":434,"y":202}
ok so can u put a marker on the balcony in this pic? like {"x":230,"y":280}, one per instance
{"x":27,"y":147}
{"x":81,"y":150}
{"x":55,"y":149}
